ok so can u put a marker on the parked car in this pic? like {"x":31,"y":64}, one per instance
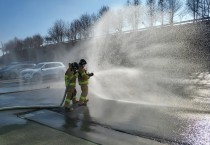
{"x":12,"y":71}
{"x":6,"y":67}
{"x":2,"y":70}
{"x":44,"y":70}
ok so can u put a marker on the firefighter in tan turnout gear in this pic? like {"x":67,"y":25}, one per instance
{"x":70,"y":81}
{"x":83,"y":81}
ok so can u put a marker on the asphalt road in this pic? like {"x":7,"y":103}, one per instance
{"x":112,"y":121}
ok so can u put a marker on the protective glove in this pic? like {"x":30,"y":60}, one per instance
{"x":90,"y":74}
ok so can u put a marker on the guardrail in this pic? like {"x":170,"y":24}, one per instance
{"x":196,"y":21}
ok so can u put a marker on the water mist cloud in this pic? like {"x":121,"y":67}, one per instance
{"x":148,"y":65}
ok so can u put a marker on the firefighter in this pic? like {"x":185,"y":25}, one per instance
{"x":83,"y":81}
{"x":70,"y":81}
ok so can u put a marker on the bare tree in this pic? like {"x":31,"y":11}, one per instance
{"x":161,"y":8}
{"x":19,"y":45}
{"x":173,"y":6}
{"x":137,"y":4}
{"x":28,"y":43}
{"x":9,"y":46}
{"x":199,"y":8}
{"x":192,"y":6}
{"x":204,"y":8}
{"x":13,"y":46}
{"x":208,"y":7}
{"x":118,"y":20}
{"x":77,"y":27}
{"x":37,"y":40}
{"x":103,"y":10}
{"x":133,"y":13}
{"x":68,"y":32}
{"x":85,"y":21}
{"x":182,"y":14}
{"x":128,"y":3}
{"x":75,"y":30}
{"x":151,"y":11}
{"x":105,"y":19}
{"x":94,"y":20}
{"x":57,"y":32}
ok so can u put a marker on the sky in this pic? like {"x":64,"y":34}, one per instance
{"x":23,"y":18}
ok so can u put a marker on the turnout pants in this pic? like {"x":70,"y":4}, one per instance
{"x":84,"y":93}
{"x":70,"y":95}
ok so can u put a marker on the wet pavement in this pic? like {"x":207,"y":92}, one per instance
{"x":18,"y":131}
{"x":107,"y":121}
{"x":32,"y":94}
{"x":9,"y":86}
{"x":79,"y":124}
{"x":163,"y":123}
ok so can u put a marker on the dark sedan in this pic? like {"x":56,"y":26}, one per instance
{"x":13,"y":71}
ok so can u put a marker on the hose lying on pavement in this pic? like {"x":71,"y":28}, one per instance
{"x":34,"y":106}
{"x":24,"y":90}
{"x":29,"y":107}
